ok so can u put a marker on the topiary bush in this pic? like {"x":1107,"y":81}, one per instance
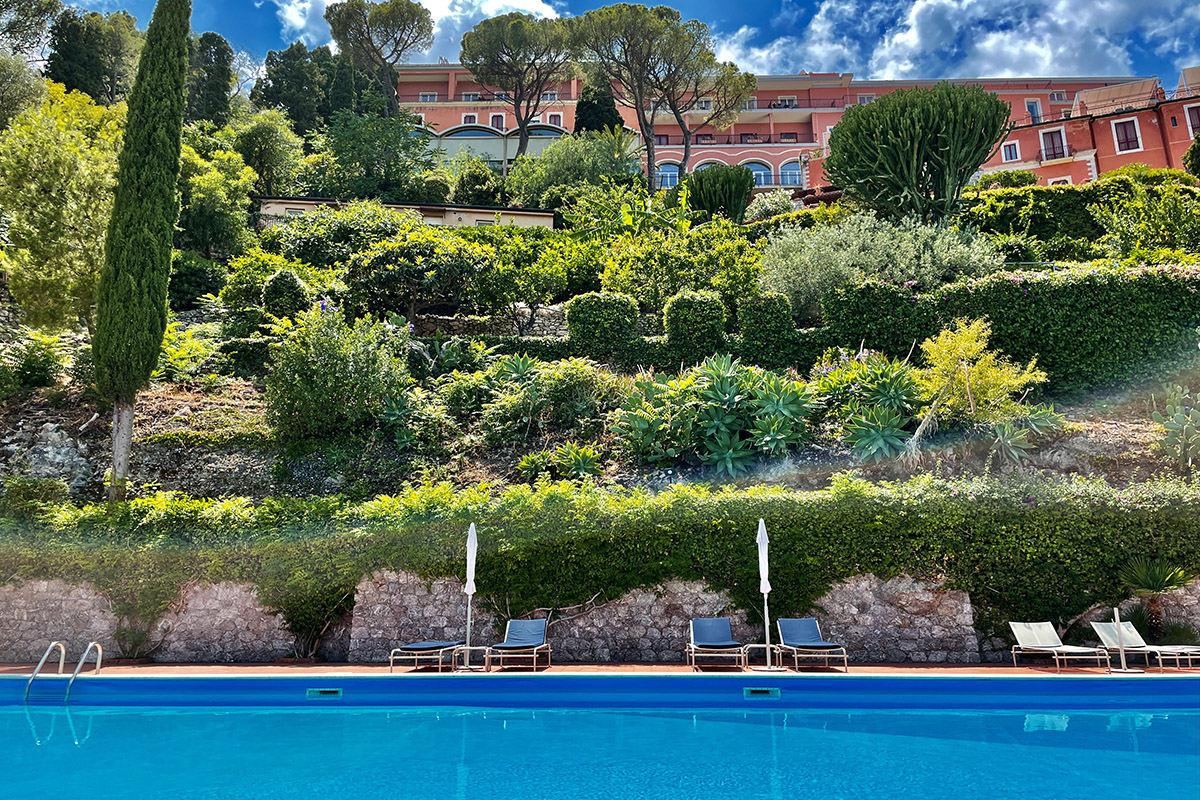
{"x":766,"y":325}
{"x":695,"y":321}
{"x":802,"y":218}
{"x":601,"y":323}
{"x":192,"y":277}
{"x":1086,"y":325}
{"x":285,"y":295}
{"x":1045,"y":212}
{"x":329,"y":378}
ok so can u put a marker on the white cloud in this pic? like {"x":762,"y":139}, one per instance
{"x":305,"y":20}
{"x":968,"y":38}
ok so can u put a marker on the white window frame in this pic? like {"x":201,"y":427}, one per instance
{"x":1042,"y":141}
{"x":474,"y":119}
{"x":863,"y":99}
{"x":293,"y":212}
{"x":787,"y":100}
{"x":556,"y":119}
{"x":536,"y":119}
{"x":1187,"y":120}
{"x":472,"y":97}
{"x":1137,"y":128}
{"x":420,"y":116}
{"x":1015,"y":143}
{"x":1058,"y":96}
{"x":427,"y":97}
{"x":1064,"y":180}
{"x":704,"y":104}
{"x":1039,"y":116}
{"x":492,"y":121}
{"x":550,"y":96}
{"x":750,"y":105}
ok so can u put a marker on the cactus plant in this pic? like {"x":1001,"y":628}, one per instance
{"x":1181,"y":419}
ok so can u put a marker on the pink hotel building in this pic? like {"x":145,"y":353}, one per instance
{"x":1067,"y":130}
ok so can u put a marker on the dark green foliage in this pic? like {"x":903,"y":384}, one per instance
{"x":330,"y":235}
{"x":767,"y":328}
{"x":132,"y":297}
{"x":801,"y":218}
{"x":27,"y":497}
{"x":1191,"y":157}
{"x":1008,"y":179}
{"x":74,"y":59}
{"x":478,"y":185}
{"x":295,"y":81}
{"x":247,"y":356}
{"x":330,"y":378}
{"x":1045,"y":212}
{"x":1085,"y":325}
{"x":601,"y":323}
{"x":721,"y":190}
{"x":597,"y":108}
{"x":210,"y":79}
{"x":285,"y":295}
{"x":911,"y":152}
{"x":695,"y":321}
{"x":192,"y":277}
{"x":36,"y":361}
{"x":1018,"y":248}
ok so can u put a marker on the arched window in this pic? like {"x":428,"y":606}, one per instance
{"x":666,"y":175}
{"x":791,"y":174}
{"x":762,"y":173}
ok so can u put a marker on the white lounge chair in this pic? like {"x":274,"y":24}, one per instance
{"x":1132,"y":642}
{"x":1041,"y":638}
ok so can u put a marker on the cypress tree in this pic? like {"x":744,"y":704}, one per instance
{"x":596,"y":109}
{"x":131,"y":308}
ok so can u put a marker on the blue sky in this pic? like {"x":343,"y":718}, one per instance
{"x":871,"y":38}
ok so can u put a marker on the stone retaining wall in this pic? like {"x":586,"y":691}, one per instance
{"x":897,"y":620}
{"x":548,"y":321}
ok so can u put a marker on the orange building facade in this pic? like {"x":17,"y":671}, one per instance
{"x":1066,"y":129}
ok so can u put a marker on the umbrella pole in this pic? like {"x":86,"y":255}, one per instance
{"x":467,"y":652}
{"x":767,"y":628}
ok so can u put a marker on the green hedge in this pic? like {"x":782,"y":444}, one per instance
{"x":1025,"y":550}
{"x":1086,"y":325}
{"x":695,"y":321}
{"x":601,"y":322}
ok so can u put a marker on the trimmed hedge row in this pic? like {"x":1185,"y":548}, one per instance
{"x":1024,"y":550}
{"x":1085,"y":325}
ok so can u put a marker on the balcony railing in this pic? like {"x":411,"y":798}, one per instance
{"x":468,"y":97}
{"x":792,"y":178}
{"x":1054,"y":153}
{"x":720,"y":140}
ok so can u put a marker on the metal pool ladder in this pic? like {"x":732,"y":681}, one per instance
{"x":62,"y":662}
{"x":99,"y":659}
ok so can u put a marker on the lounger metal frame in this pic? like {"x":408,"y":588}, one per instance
{"x":444,"y":655}
{"x":798,"y":653}
{"x":532,"y":653}
{"x":1162,"y":652}
{"x":693,"y":650}
{"x":1061,"y":657}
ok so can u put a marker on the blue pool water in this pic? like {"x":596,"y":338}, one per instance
{"x":578,"y":754}
{"x":583,"y":737}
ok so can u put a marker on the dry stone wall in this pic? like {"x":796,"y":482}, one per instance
{"x":895,"y":620}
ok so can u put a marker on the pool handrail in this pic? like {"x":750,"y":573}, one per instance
{"x":62,"y":663}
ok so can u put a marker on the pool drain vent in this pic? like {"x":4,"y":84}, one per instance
{"x":323,"y":694}
{"x":760,"y":693}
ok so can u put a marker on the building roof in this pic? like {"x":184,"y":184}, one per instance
{"x":443,"y":206}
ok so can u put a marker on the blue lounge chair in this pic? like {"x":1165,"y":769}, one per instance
{"x":523,"y":638}
{"x":801,"y":638}
{"x":712,"y":637}
{"x":443,"y":652}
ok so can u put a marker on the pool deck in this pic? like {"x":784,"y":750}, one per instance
{"x":337,"y":668}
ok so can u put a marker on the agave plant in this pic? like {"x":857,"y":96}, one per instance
{"x":891,"y":385}
{"x":877,"y":434}
{"x":773,"y":435}
{"x":533,"y":465}
{"x":728,"y":453}
{"x":577,"y":461}
{"x":1151,"y":579}
{"x":1011,"y":443}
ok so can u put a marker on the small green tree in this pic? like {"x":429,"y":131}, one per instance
{"x":211,"y":79}
{"x":477,"y":184}
{"x":131,"y":313}
{"x":414,"y":270}
{"x":721,"y":190}
{"x":912,"y":151}
{"x":1151,"y":579}
{"x":215,"y":194}
{"x":597,"y":108}
{"x":58,"y":164}
{"x":1191,"y":157}
{"x":20,"y":87}
{"x":268,"y":146}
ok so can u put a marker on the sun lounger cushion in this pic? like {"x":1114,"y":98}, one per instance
{"x":713,"y":633}
{"x":420,"y":647}
{"x":803,"y":634}
{"x":523,"y":634}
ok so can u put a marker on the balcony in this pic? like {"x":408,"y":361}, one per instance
{"x":790,"y":178}
{"x":724,"y":140}
{"x":1055,"y":153}
{"x":481,"y":97}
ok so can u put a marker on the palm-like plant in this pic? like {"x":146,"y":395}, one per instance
{"x":1151,"y":579}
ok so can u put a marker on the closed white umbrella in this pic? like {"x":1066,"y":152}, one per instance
{"x":469,"y":589}
{"x":764,"y":582}
{"x":1121,"y":644}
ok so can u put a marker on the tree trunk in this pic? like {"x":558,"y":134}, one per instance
{"x":122,"y":443}
{"x":651,"y":177}
{"x":1154,"y":617}
{"x":687,"y":153}
{"x":522,"y":141}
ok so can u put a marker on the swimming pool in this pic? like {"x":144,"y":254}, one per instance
{"x":661,"y":736}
